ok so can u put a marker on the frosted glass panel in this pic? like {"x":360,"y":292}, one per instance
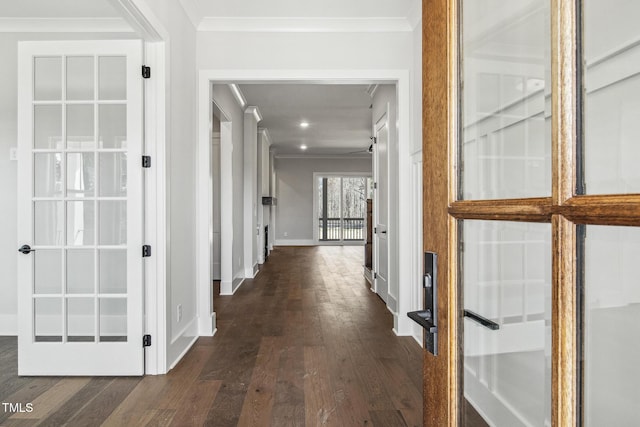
{"x":47,"y":273}
{"x":113,"y":271}
{"x":47,"y":174}
{"x":506,"y":135}
{"x":48,"y":79}
{"x":611,"y":328}
{"x":507,"y":279}
{"x":113,"y":319}
{"x":80,"y":271}
{"x":113,"y":222}
{"x":112,"y":77}
{"x":80,"y":127}
{"x":48,"y":319}
{"x":113,"y":126}
{"x":80,"y":78}
{"x":81,"y":220}
{"x":80,"y":319}
{"x":48,"y":223}
{"x":47,"y":126}
{"x":113,"y":174}
{"x":80,"y":175}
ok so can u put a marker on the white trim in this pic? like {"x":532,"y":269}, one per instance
{"x":238,"y":95}
{"x":9,"y":324}
{"x":210,"y":320}
{"x":306,"y":24}
{"x":142,"y":19}
{"x":192,"y":11}
{"x":266,"y":136}
{"x":402,"y":79}
{"x":156,"y":214}
{"x":322,"y":156}
{"x":181,"y":355}
{"x":230,"y":288}
{"x":64,"y":25}
{"x":251,"y":273}
{"x":252,"y":109}
{"x":295,"y":242}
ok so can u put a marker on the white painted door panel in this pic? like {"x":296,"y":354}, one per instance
{"x":381,"y":207}
{"x":80,"y":209}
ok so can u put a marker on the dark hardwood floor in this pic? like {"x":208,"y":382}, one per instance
{"x":305,"y":343}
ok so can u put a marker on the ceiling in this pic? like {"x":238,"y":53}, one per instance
{"x":306,"y":8}
{"x":339,"y":117}
{"x":56,"y":9}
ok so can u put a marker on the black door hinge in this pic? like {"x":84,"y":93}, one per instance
{"x":375,"y":275}
{"x":146,"y":251}
{"x":375,"y":230}
{"x":375,"y":185}
{"x":146,"y":340}
{"x":146,"y":161}
{"x":146,"y":72}
{"x":374,"y":139}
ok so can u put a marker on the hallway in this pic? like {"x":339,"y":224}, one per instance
{"x":304,"y":343}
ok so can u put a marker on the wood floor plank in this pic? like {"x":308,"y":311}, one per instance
{"x":320,"y":405}
{"x":306,"y":332}
{"x":259,"y":400}
{"x":99,"y":408}
{"x":195,"y":406}
{"x":53,"y":398}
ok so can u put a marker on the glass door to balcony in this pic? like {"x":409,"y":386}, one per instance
{"x":341,"y":203}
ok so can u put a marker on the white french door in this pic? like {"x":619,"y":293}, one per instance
{"x":80,"y":208}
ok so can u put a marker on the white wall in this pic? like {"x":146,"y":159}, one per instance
{"x":281,"y":50}
{"x":8,"y":169}
{"x":227,"y":103}
{"x":294,"y":211}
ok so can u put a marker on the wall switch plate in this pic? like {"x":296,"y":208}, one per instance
{"x":179,"y":312}
{"x":13,"y":153}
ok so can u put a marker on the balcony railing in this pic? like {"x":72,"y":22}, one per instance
{"x":341,"y":229}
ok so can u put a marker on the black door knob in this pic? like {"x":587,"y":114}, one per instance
{"x":26,"y":249}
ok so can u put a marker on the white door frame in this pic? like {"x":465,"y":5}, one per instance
{"x":402,"y":230}
{"x":156,"y":126}
{"x":378,"y":123}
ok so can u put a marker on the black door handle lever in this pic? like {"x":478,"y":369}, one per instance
{"x":26,"y":249}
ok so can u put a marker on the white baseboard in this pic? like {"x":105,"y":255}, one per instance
{"x":392,"y":303}
{"x":230,"y":288}
{"x":295,"y":242}
{"x":181,"y":355}
{"x":207,"y":325}
{"x":250,"y":273}
{"x":226,"y":288}
{"x":237,"y":282}
{"x":9,"y":324}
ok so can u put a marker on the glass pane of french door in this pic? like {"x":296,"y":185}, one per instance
{"x":611,"y":328}
{"x":81,"y":197}
{"x":612,"y":96}
{"x":506,"y":120}
{"x":506,"y":276}
{"x":80,"y":207}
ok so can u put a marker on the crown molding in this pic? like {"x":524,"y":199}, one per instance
{"x":265,"y":135}
{"x":305,"y":25}
{"x":238,"y":95}
{"x":193,"y":12}
{"x":64,"y":25}
{"x":252,"y":109}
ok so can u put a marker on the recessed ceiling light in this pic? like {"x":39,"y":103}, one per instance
{"x":304,"y":124}
{"x":303,"y":147}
